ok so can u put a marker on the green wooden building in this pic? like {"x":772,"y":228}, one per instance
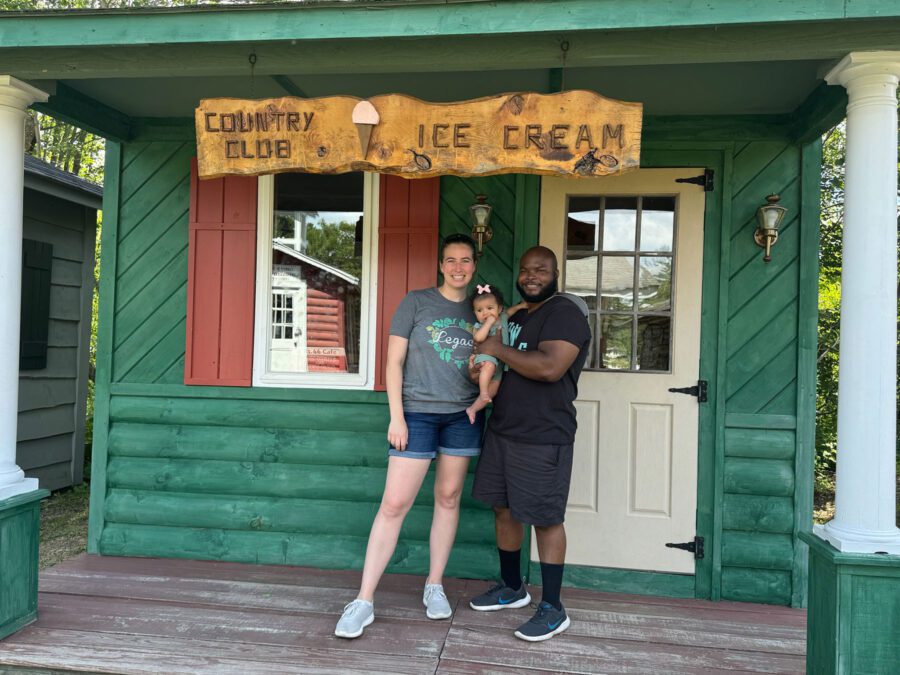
{"x":239,"y":411}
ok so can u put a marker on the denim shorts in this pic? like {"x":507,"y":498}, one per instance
{"x":445,"y":433}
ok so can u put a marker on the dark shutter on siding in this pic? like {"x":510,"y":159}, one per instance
{"x":221,"y":280}
{"x":407,"y":249}
{"x":37,"y":259}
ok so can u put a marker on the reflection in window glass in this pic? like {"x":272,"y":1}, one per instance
{"x":619,"y":223}
{"x":657,"y":223}
{"x":583,"y":223}
{"x":615,"y":341}
{"x":316,"y":269}
{"x":617,"y":284}
{"x":653,"y":334}
{"x":655,"y":280}
{"x":591,"y":361}
{"x":581,"y":278}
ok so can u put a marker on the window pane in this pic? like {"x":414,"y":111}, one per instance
{"x":653,"y":339}
{"x":615,"y":341}
{"x":656,"y":284}
{"x":657,"y":223}
{"x":619,"y":224}
{"x":591,"y":361}
{"x":582,"y":223}
{"x":316,"y":269}
{"x":617,"y":284}
{"x":581,"y":278}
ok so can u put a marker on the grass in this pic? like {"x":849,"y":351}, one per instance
{"x":64,"y":525}
{"x":823,"y":502}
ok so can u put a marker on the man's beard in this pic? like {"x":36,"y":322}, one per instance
{"x":548,"y":291}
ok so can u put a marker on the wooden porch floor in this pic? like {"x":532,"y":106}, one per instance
{"x":133,"y":615}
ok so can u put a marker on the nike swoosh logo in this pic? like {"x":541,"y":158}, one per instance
{"x":553,"y":626}
{"x":501,"y":601}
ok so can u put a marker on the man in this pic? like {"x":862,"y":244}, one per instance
{"x":526,"y":461}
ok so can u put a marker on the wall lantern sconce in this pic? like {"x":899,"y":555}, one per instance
{"x":769,"y":217}
{"x":480,"y":215}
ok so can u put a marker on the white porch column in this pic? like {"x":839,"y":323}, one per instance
{"x":15,"y":97}
{"x":865,"y":496}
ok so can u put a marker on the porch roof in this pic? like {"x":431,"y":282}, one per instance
{"x":108,"y":70}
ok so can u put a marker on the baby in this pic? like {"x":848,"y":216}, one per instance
{"x":487,"y":303}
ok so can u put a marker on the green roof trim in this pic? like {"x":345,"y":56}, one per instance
{"x":315,"y":21}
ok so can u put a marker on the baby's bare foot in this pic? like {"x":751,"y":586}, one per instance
{"x":479,"y":404}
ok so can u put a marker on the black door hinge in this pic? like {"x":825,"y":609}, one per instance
{"x":706,"y":181}
{"x":698,"y":390}
{"x":695,"y":547}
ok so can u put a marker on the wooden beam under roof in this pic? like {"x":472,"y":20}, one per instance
{"x":477,"y":53}
{"x":73,"y":107}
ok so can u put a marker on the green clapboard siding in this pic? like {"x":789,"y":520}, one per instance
{"x":263,"y":486}
{"x":151,"y":259}
{"x":756,"y":585}
{"x":762,"y":344}
{"x":326,"y":551}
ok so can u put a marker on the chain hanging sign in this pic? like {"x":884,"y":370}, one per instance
{"x":572,"y":133}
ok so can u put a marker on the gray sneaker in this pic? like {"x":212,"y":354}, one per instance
{"x":435,"y":601}
{"x":500,"y":596}
{"x":357,"y":615}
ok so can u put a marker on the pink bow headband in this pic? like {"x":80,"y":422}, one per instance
{"x":483,"y":289}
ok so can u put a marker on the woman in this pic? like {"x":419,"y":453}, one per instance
{"x":428,"y":391}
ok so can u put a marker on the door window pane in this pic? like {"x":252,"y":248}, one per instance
{"x":655,"y":280}
{"x":581,"y":278}
{"x":653,"y":337}
{"x":315,"y":275}
{"x":615,"y":341}
{"x":617,"y":283}
{"x":583,"y":223}
{"x":619,"y":223}
{"x":657,"y":223}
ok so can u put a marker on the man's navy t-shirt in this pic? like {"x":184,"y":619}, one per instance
{"x":542,"y":412}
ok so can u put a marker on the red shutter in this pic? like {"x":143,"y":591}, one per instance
{"x":221,"y":281}
{"x":407,"y":249}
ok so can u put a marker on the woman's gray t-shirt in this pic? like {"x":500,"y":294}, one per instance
{"x":435,"y":373}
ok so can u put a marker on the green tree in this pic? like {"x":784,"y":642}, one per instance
{"x":831,"y":228}
{"x":335,"y":245}
{"x":67,"y":147}
{"x":830,"y":263}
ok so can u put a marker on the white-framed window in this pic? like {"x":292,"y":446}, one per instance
{"x":315,"y":291}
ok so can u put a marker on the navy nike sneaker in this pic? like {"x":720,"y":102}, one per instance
{"x":546,"y":622}
{"x":500,"y":596}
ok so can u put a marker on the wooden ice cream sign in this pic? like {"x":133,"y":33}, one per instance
{"x":573,"y":133}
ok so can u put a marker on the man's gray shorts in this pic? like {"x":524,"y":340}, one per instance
{"x":531,"y":480}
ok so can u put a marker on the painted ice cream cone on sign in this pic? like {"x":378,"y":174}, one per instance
{"x":365,"y":117}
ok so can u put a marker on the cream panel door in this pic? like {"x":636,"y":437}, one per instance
{"x":637,"y":259}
